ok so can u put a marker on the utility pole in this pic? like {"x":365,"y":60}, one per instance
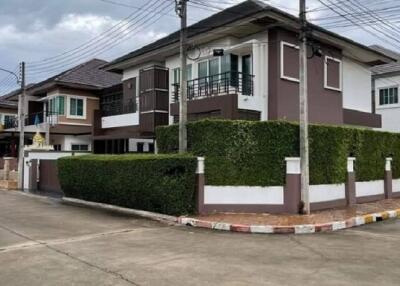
{"x":304,"y":148}
{"x":21,"y":124}
{"x":181,"y":10}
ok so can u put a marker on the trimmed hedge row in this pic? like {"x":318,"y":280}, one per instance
{"x":159,"y":183}
{"x":252,"y":153}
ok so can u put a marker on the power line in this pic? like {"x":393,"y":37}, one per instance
{"x":115,"y":40}
{"x":352,"y":21}
{"x":95,"y":41}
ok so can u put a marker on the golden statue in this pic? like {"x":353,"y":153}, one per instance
{"x":38,"y":140}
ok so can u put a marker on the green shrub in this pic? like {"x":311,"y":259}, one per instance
{"x":160,"y":183}
{"x":253,"y":153}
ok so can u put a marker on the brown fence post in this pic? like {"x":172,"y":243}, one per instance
{"x":388,"y":178}
{"x":350,"y":182}
{"x":292,"y":190}
{"x":200,"y":181}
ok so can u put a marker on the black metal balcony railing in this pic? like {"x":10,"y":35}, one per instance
{"x":11,"y":122}
{"x":225,"y":83}
{"x":117,"y":107}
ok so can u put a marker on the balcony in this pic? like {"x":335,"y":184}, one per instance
{"x":11,"y":122}
{"x":118,"y":107}
{"x":33,"y":119}
{"x":226,"y":83}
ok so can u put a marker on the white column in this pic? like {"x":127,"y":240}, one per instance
{"x":350,"y":164}
{"x":200,"y":165}
{"x":293,"y":166}
{"x":388,"y":165}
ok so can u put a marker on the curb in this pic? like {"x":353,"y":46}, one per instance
{"x":293,"y":229}
{"x":121,"y":210}
{"x":243,"y":228}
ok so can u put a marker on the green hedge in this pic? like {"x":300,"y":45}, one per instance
{"x":160,"y":183}
{"x":253,"y":153}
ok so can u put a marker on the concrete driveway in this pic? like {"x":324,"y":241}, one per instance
{"x":43,"y":242}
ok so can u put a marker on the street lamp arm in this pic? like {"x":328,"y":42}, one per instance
{"x":12,"y":73}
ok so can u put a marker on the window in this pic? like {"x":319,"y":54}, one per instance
{"x":80,"y":147}
{"x":56,"y":105}
{"x":290,"y":62}
{"x":57,"y":147}
{"x":203,"y":71}
{"x":333,"y":74}
{"x":177,"y":74}
{"x":76,"y":107}
{"x":389,"y":96}
{"x":214,"y":66}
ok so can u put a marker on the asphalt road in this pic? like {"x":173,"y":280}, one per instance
{"x":43,"y":242}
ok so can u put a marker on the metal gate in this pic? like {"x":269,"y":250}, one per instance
{"x":48,"y":176}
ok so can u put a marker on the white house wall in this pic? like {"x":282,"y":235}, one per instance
{"x":356,"y":86}
{"x":66,"y":141}
{"x":122,"y":120}
{"x":390,"y":113}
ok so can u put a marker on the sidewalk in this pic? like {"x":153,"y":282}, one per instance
{"x":319,"y":221}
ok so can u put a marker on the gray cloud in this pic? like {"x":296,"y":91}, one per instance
{"x":32,"y":30}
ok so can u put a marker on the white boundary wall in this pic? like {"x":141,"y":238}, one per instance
{"x":372,"y":188}
{"x":326,"y":193}
{"x":396,"y":186}
{"x":243,"y":195}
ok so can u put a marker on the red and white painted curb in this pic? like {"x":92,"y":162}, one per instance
{"x":271,"y":229}
{"x":293,"y":229}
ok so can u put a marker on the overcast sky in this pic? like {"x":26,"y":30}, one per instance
{"x":36,"y":30}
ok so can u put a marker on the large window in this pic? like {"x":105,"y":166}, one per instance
{"x":177,"y":74}
{"x":389,"y":96}
{"x":80,"y":147}
{"x":56,"y":105}
{"x":76,"y":107}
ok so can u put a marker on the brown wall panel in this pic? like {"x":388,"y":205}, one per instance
{"x":325,"y":106}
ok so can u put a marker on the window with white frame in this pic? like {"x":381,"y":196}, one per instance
{"x":76,"y":107}
{"x":389,"y":95}
{"x":290,"y":66}
{"x":333,"y":73}
{"x":177,"y":74}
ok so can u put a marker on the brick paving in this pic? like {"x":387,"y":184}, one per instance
{"x":317,"y":217}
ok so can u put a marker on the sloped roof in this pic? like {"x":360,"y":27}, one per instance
{"x":8,"y":104}
{"x":387,"y":68}
{"x":13,"y":95}
{"x":234,"y":13}
{"x":86,"y":75}
{"x":242,"y":10}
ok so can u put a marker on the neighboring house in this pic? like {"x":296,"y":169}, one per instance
{"x":62,"y":106}
{"x":385,"y":91}
{"x":8,"y":111}
{"x":257,"y":78}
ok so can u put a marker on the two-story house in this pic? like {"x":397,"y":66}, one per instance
{"x":385,"y":91}
{"x":8,"y":111}
{"x":243,"y":63}
{"x":62,"y":106}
